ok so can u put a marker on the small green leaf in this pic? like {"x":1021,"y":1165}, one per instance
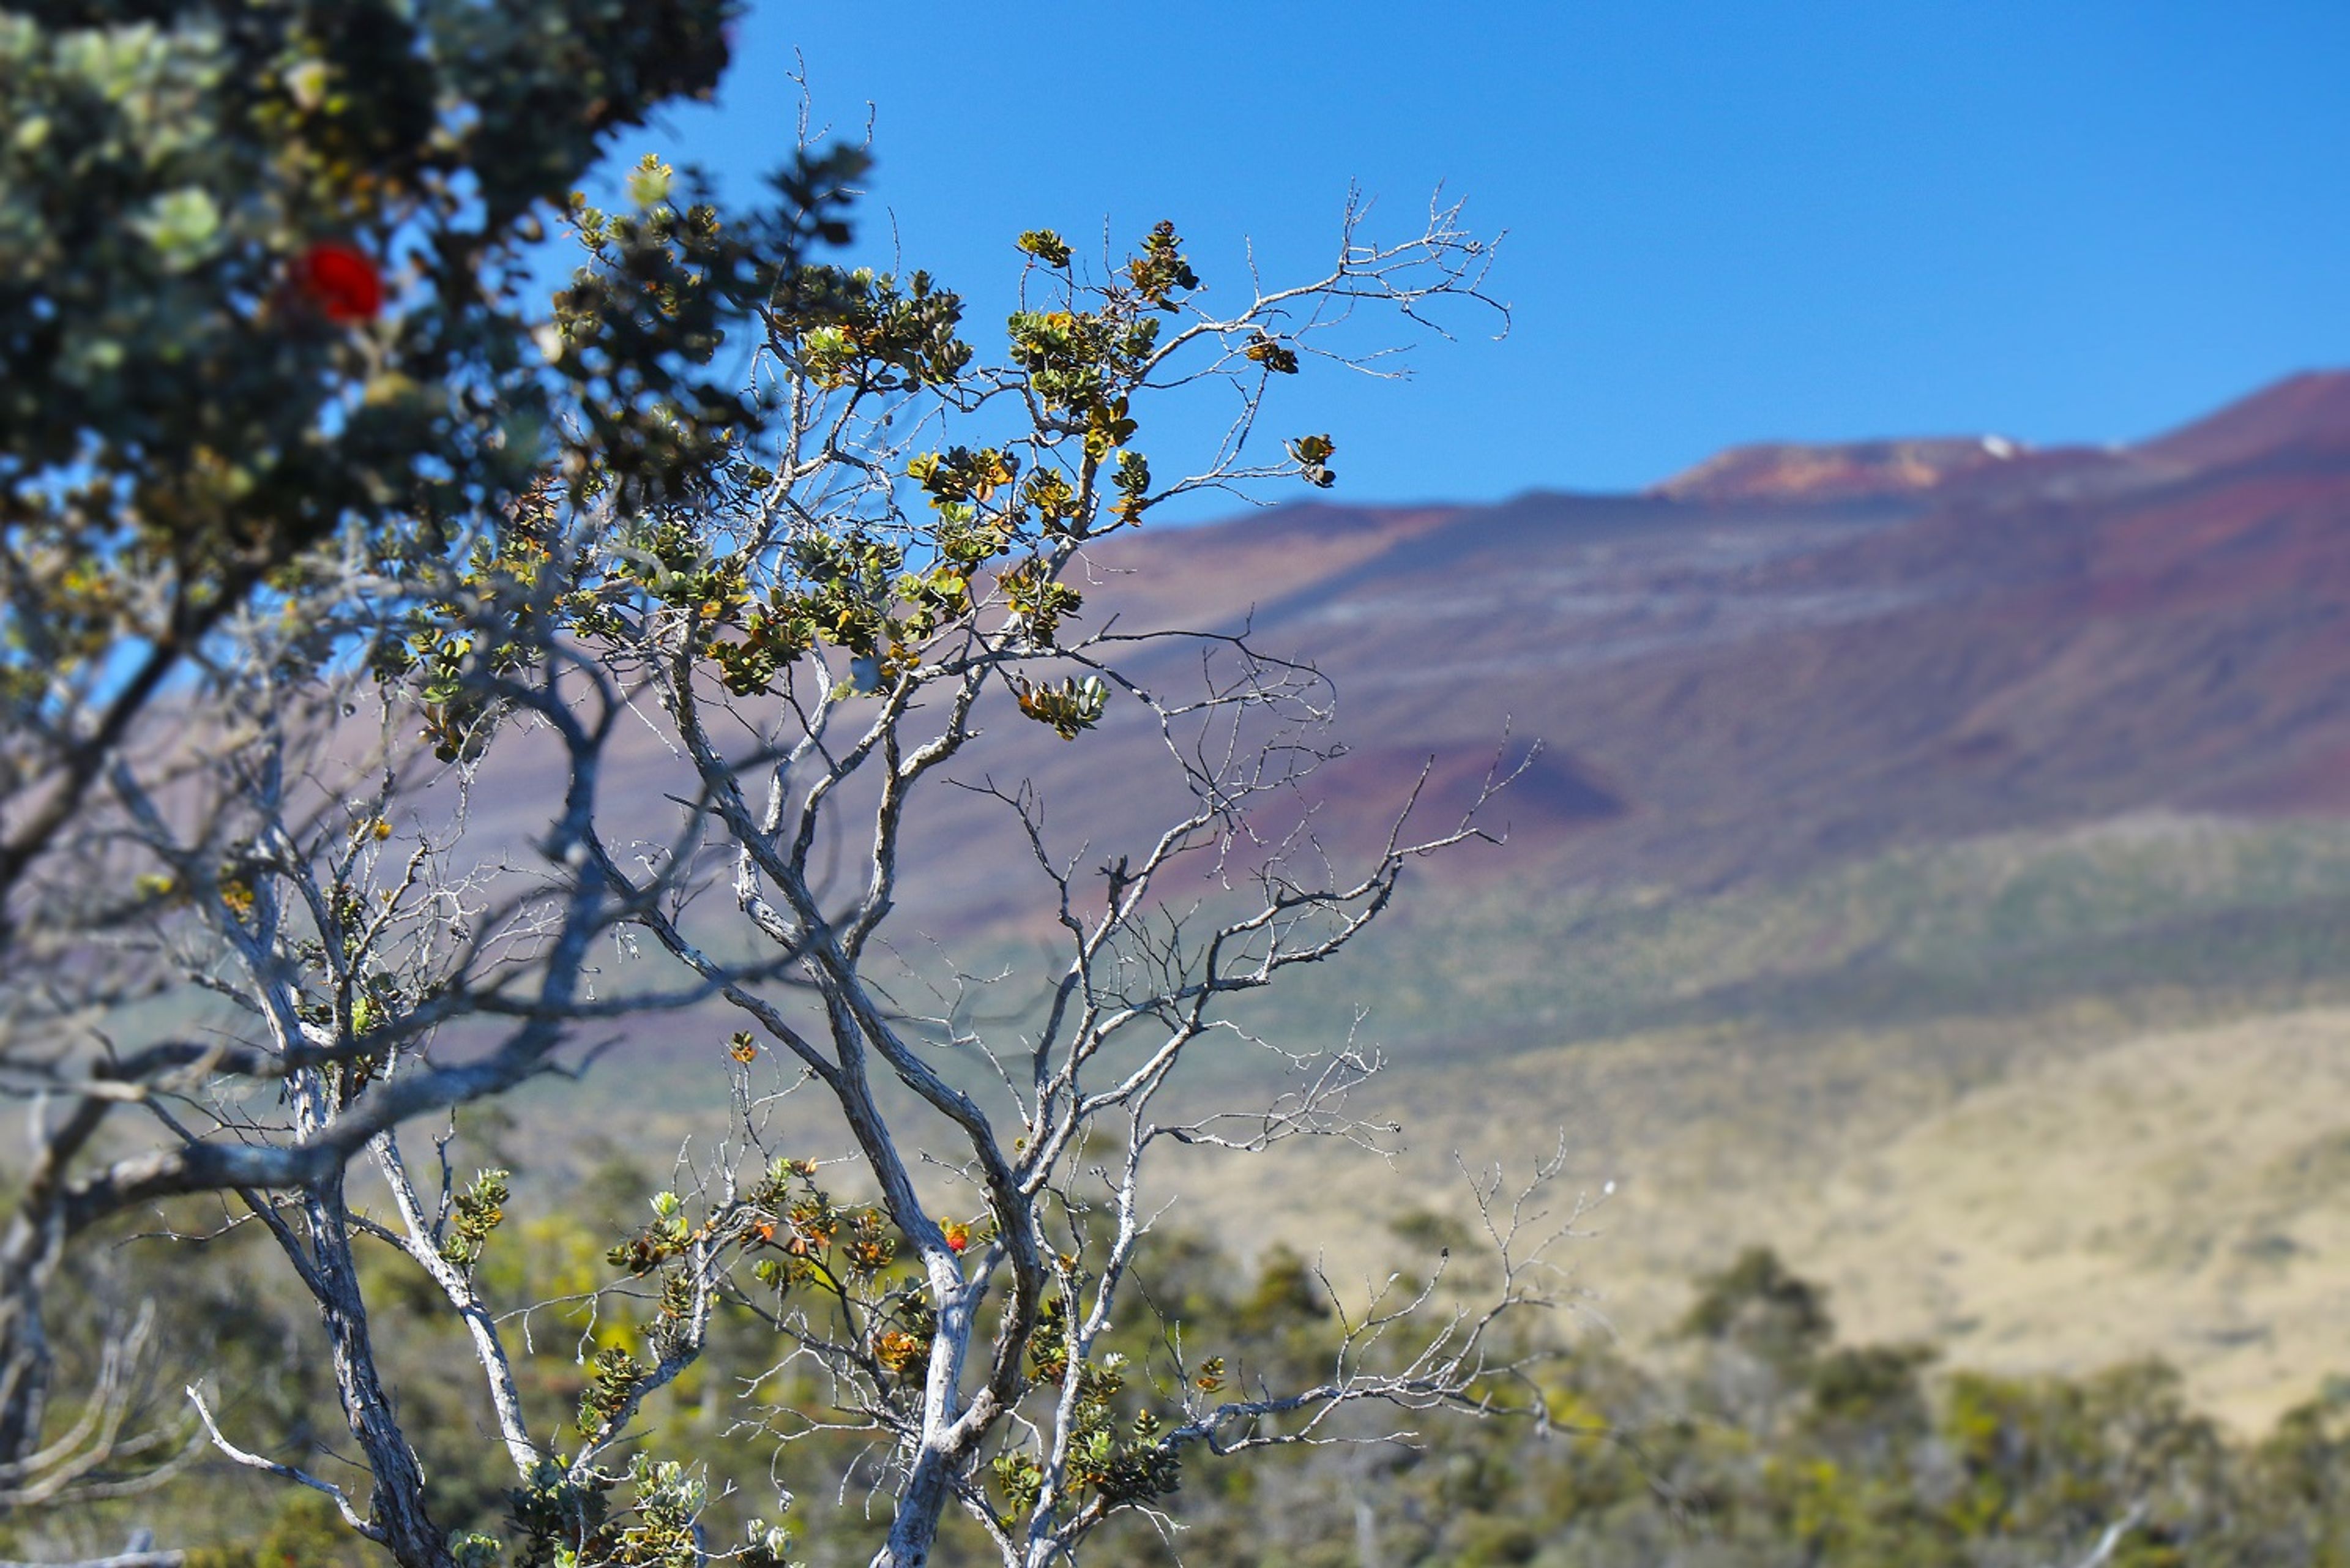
{"x":183,"y":224}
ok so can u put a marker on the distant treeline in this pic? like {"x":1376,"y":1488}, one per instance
{"x":1750,"y":1436}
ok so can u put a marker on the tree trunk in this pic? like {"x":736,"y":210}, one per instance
{"x":29,"y":1260}
{"x":398,"y":1504}
{"x":914,"y":1529}
{"x":24,"y":1361}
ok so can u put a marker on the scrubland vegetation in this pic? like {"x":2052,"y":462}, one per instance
{"x":1754,"y":1434}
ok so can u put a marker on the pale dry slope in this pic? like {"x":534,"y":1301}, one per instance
{"x":2185,"y":1192}
{"x":2099,"y":1192}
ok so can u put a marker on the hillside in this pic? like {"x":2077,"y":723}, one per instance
{"x":1788,"y":658}
{"x":1899,"y":808}
{"x":1763,"y":677}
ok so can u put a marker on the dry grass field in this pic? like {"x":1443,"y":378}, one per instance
{"x":2110,"y":1191}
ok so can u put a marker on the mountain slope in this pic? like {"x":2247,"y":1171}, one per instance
{"x":1790,"y":659}
{"x":1764,"y":682}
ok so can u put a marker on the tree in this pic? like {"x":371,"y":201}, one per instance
{"x":264,"y":378}
{"x":825,"y":584}
{"x":823,"y":634}
{"x":822,"y":629}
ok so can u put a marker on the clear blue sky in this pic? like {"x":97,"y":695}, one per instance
{"x":1728,"y":220}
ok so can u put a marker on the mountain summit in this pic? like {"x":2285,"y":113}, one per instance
{"x":1787,"y":471}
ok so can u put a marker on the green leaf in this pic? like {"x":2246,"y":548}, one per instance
{"x":183,"y":224}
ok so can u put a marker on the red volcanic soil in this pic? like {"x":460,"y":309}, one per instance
{"x":2310,"y":412}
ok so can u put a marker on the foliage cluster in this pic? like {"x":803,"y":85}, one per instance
{"x":1751,"y":1438}
{"x":261,"y":293}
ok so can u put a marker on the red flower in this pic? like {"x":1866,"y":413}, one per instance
{"x":338,"y":278}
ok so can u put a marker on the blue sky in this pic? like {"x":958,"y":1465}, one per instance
{"x":2066,"y":222}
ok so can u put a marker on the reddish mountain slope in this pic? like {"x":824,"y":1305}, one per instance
{"x":1795,"y":655}
{"x":1787,"y":658}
